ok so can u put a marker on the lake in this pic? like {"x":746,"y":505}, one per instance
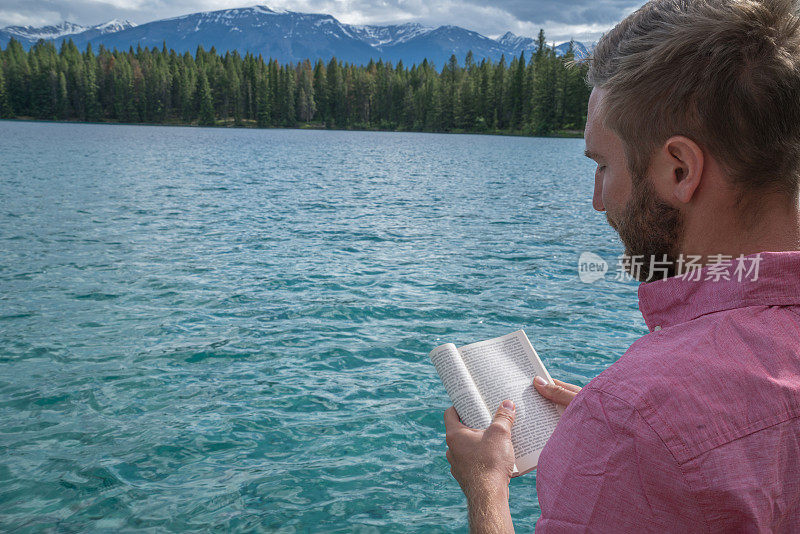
{"x":228,"y":328}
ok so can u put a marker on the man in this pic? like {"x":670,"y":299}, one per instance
{"x":694,"y":122}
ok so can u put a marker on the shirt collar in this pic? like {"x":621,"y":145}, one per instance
{"x":774,"y":280}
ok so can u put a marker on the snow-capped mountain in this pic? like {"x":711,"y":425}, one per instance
{"x":440,"y":43}
{"x":289,"y":37}
{"x":28,"y":35}
{"x":380,"y":36}
{"x":113,"y":26}
{"x":517,"y":44}
{"x":285,"y":36}
{"x":580,"y":50}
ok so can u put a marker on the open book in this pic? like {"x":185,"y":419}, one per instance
{"x":478,"y":377}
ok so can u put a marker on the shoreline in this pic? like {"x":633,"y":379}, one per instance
{"x":230,"y":124}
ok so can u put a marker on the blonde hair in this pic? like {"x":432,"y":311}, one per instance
{"x":725,"y":73}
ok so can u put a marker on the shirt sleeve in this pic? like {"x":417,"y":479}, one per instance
{"x":604,"y":469}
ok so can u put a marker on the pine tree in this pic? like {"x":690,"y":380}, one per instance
{"x":335,"y":94}
{"x":205,"y":105}
{"x":157,"y":85}
{"x":62,"y":98}
{"x":6,"y":112}
{"x":320,"y":90}
{"x":498,"y":105}
{"x":306,"y":106}
{"x":274,"y":92}
{"x":516,"y":91}
{"x":263,"y":101}
{"x":18,"y":78}
{"x":544,"y":88}
{"x":233,"y":88}
{"x":541,"y":47}
{"x":87,"y":87}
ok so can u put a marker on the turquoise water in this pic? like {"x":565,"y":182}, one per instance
{"x":228,"y":329}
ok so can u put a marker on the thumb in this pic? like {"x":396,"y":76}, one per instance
{"x":553,"y":391}
{"x":504,"y":417}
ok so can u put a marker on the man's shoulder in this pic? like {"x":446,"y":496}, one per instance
{"x":743,"y":344}
{"x":654,"y":364}
{"x":701,"y":385}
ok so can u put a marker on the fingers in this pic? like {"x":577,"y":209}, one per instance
{"x":451,"y":420}
{"x":568,"y":387}
{"x":504,"y":417}
{"x":556,"y":391}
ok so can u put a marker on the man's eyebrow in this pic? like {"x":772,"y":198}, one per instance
{"x":591,"y":155}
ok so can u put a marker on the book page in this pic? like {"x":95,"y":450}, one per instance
{"x":504,"y":368}
{"x":459,"y":386}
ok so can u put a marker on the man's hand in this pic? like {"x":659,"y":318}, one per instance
{"x":557,"y":391}
{"x":482,"y":462}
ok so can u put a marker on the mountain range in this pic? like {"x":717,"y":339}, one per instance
{"x":289,"y":37}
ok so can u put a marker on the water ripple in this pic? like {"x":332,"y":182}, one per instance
{"x":209,"y":329}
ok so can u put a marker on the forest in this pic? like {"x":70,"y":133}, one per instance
{"x":543,"y":94}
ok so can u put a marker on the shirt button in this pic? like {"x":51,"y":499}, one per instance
{"x":656,"y":328}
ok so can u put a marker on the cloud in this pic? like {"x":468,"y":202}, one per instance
{"x":23,"y":18}
{"x":579,"y":19}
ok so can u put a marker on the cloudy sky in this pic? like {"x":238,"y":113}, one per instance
{"x":561,"y":19}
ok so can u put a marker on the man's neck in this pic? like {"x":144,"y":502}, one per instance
{"x":774,"y":228}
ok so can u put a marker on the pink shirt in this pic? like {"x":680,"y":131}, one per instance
{"x":697,"y":427}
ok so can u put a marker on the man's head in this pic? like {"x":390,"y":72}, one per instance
{"x":695,"y":108}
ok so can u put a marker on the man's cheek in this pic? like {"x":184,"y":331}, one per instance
{"x":611,"y":221}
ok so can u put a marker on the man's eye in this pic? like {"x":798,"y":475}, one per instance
{"x":601,"y":168}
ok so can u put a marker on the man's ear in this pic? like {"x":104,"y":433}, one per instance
{"x":680,"y":164}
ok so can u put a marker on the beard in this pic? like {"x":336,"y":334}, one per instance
{"x":650,"y":229}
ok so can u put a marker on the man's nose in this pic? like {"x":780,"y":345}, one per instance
{"x":597,"y":197}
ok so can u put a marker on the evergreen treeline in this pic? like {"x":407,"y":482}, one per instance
{"x":537,"y":95}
